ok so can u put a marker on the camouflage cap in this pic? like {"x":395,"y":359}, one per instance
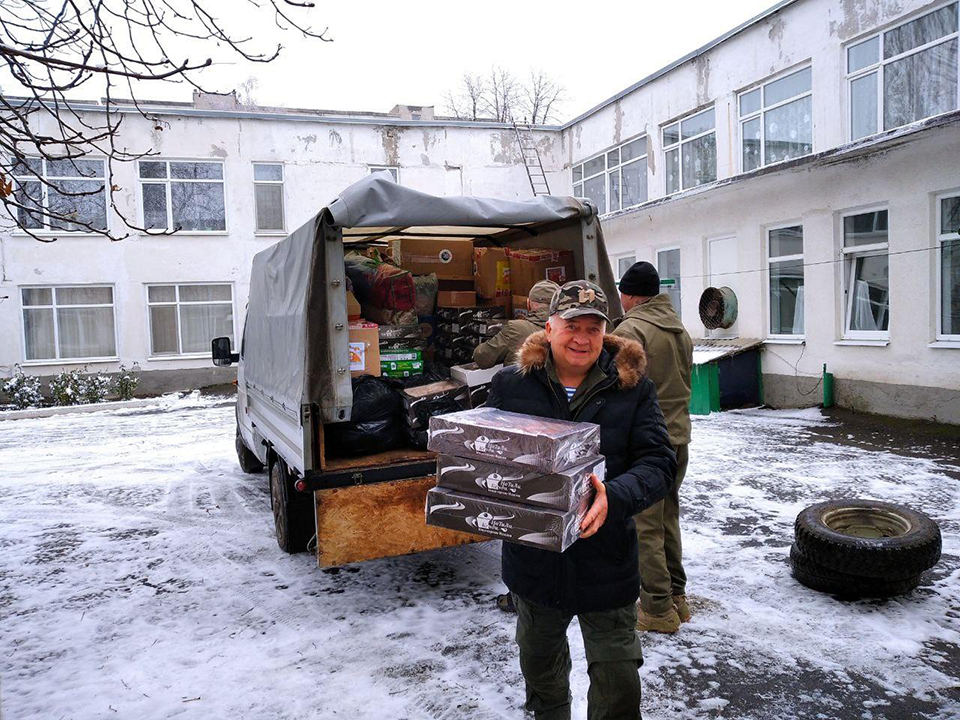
{"x":543,"y":292}
{"x":579,"y":297}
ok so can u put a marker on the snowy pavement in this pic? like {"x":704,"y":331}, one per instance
{"x":139,"y":578}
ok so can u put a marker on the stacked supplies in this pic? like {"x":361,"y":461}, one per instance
{"x":461,"y":329}
{"x":521,"y":478}
{"x":401,"y":350}
{"x":422,"y":402}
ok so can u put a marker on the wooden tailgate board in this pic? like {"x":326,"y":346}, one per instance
{"x":364,"y":522}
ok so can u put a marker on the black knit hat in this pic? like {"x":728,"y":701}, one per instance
{"x":642,"y":279}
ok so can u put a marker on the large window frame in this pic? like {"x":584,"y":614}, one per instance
{"x":943,"y":237}
{"x":763,"y":109}
{"x":779,"y":260}
{"x":179,"y":304}
{"x":42,"y":177}
{"x":676,"y":288}
{"x":621,"y":262}
{"x":681,"y":143}
{"x":877,"y":67}
{"x":168,"y":182}
{"x":269,"y":183}
{"x":610,"y":165}
{"x":54,"y":306}
{"x":850,"y":256}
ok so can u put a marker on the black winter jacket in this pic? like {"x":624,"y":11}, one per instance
{"x":600,"y":572}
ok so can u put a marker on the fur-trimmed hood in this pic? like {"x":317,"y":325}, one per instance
{"x":627,"y":356}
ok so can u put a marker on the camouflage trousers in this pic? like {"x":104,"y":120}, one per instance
{"x":613,"y":661}
{"x":661,"y":551}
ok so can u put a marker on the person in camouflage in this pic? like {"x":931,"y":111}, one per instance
{"x":503,"y":347}
{"x":651,"y":320}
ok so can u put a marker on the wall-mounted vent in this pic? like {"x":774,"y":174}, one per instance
{"x":718,"y":308}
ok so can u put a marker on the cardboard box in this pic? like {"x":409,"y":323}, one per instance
{"x":514,"y":439}
{"x":404,"y":355}
{"x":520,"y":307}
{"x":353,"y":307}
{"x":534,"y":526}
{"x":456,"y":298}
{"x":449,"y":258}
{"x":491,"y":272}
{"x":364,"y":346}
{"x":422,"y":401}
{"x":561,"y":491}
{"x":471,"y":375}
{"x":505,"y":302}
{"x":412,"y":367}
{"x":530,"y":266}
{"x":484,"y":329}
{"x":401,"y":373}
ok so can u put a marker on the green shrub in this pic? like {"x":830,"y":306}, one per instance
{"x":126,"y":381}
{"x":24,"y":389}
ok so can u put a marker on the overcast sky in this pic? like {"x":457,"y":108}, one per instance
{"x":384,"y":53}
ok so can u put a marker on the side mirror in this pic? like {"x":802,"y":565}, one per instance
{"x":222,"y":357}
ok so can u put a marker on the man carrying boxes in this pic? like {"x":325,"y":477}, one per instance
{"x":573,"y":371}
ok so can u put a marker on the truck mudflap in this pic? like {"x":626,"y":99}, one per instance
{"x":384,"y":519}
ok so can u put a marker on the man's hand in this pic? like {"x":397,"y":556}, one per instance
{"x":597,"y":514}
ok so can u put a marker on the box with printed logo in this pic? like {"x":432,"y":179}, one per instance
{"x":534,"y":526}
{"x":514,"y":439}
{"x":563,"y":490}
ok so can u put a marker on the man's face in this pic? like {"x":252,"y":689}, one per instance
{"x":576,"y":343}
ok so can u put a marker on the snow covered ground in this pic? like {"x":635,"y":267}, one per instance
{"x":139,"y":578}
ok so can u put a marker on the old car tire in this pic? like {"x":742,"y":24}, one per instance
{"x":249,"y":462}
{"x":293,"y":513}
{"x":868,"y":539}
{"x":817,"y":577}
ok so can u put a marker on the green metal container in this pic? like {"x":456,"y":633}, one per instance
{"x":705,"y":389}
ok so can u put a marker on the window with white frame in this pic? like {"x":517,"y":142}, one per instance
{"x":776,"y":120}
{"x":68,"y":323}
{"x":615,"y":179}
{"x":785,"y":260}
{"x":72,"y":189}
{"x":866,"y":275}
{"x":182,"y":195}
{"x":268,"y":196}
{"x":668,"y":268}
{"x":392,"y":169}
{"x":622,"y":263}
{"x":948,"y":263}
{"x":904,"y":74}
{"x":185,"y":318}
{"x":690,"y":151}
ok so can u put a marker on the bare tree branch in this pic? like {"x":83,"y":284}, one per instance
{"x":499,"y":96}
{"x":54,"y":47}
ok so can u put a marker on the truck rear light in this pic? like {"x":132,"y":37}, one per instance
{"x":300,"y":485}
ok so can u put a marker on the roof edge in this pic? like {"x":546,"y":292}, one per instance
{"x":677,"y":63}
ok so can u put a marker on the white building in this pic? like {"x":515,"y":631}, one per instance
{"x":807,"y":159}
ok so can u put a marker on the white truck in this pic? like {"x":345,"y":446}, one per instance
{"x":293,"y":370}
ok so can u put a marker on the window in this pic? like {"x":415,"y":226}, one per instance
{"x":776,"y":121}
{"x":185,"y":318}
{"x":690,"y":151}
{"x":67,"y":323}
{"x":394,"y":171}
{"x":904,"y":74}
{"x":622,"y":263}
{"x":74,"y":189}
{"x":948,"y":240}
{"x":866,"y":275}
{"x":615,"y":180}
{"x":668,"y":267}
{"x":268,"y":196}
{"x":785,"y":258}
{"x":186,"y":196}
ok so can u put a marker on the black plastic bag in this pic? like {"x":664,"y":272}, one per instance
{"x":376,"y":422}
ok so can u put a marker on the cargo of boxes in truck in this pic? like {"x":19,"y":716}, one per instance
{"x":449,"y":258}
{"x":530,"y":266}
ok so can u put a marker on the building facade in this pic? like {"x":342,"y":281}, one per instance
{"x":806,"y":159}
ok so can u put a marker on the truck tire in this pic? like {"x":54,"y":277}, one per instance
{"x":868,"y":539}
{"x":248,"y":461}
{"x":817,"y":577}
{"x":293,"y":511}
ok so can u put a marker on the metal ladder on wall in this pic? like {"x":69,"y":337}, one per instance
{"x":531,"y":161}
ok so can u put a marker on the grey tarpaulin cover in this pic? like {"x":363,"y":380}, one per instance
{"x":279,"y":359}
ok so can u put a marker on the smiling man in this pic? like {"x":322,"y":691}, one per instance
{"x":573,"y":370}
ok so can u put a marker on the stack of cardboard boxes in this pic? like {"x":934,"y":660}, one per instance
{"x":516,"y":477}
{"x":461,"y":329}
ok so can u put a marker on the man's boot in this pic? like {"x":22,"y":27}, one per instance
{"x":668,"y":622}
{"x":683,"y":610}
